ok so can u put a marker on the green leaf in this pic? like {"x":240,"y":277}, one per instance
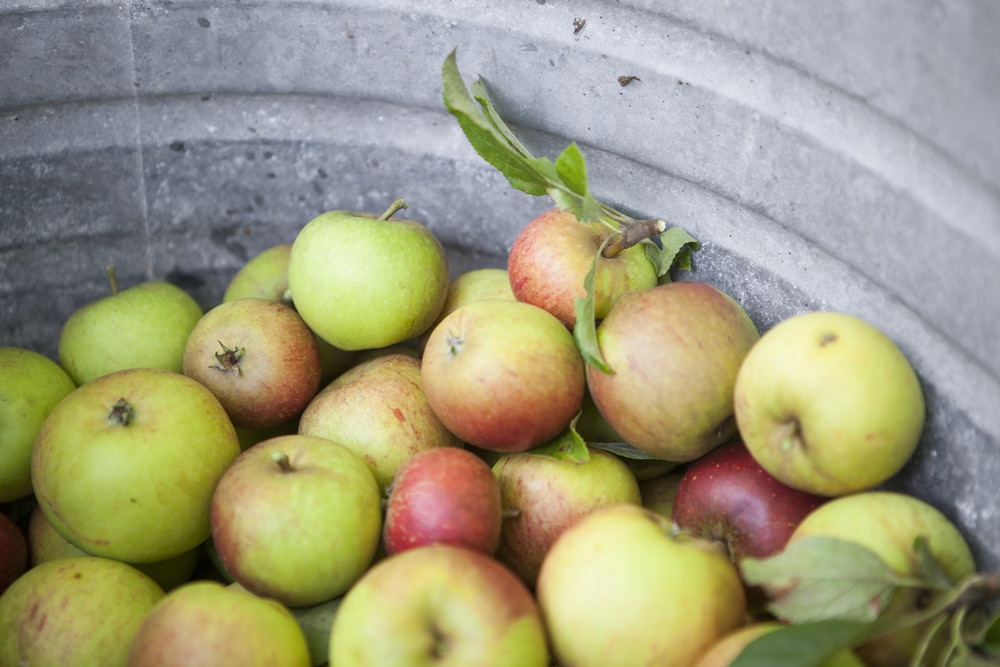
{"x":317,"y":624}
{"x":928,"y":568}
{"x":478,"y":90}
{"x":567,"y":446}
{"x":585,"y":328}
{"x":676,"y":252}
{"x":572,"y":169}
{"x":822,"y":578}
{"x":804,"y":645}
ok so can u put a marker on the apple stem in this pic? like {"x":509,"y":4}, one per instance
{"x":397,"y":205}
{"x":510,"y":513}
{"x":284,"y":465}
{"x":632,"y":234}
{"x":109,"y":270}
{"x":121,"y":413}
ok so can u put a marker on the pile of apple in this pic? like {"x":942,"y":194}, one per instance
{"x":577,"y":461}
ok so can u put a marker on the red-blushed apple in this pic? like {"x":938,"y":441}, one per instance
{"x":439,"y":605}
{"x":620,"y":589}
{"x":473,"y":285}
{"x":259,"y":359}
{"x":297,"y":518}
{"x":379,"y":411}
{"x":13,"y":551}
{"x":674,"y":351}
{"x":551,"y":256}
{"x":74,"y":611}
{"x":207,"y":624}
{"x":728,"y":497}
{"x":544,"y":495}
{"x":725,"y":651}
{"x":443,"y":495}
{"x":503,"y":375}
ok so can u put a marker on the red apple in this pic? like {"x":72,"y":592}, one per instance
{"x":259,"y":359}
{"x":552,"y":255}
{"x":503,"y":375}
{"x":443,"y":496}
{"x":13,"y":551}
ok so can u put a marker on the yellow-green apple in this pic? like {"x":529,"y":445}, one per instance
{"x":729,"y":647}
{"x":362,"y":281}
{"x":45,"y":544}
{"x":473,"y":285}
{"x":125,"y":466}
{"x":74,"y":611}
{"x":144,"y":326}
{"x":829,"y":404}
{"x":297,"y":518}
{"x":32,"y":385}
{"x":552,"y":254}
{"x":621,"y":572}
{"x":503,"y":375}
{"x":658,"y":493}
{"x":206,"y":624}
{"x":439,"y":605}
{"x":259,"y":359}
{"x":444,"y":495}
{"x":379,"y":411}
{"x":674,"y":351}
{"x":13,"y":551}
{"x":889,"y":524}
{"x":544,"y":495}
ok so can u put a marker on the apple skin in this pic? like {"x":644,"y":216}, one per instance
{"x":378,"y":410}
{"x":620,"y":573}
{"x":362,"y":282}
{"x":503,"y":375}
{"x":658,"y":493}
{"x":725,"y":651}
{"x":301,"y":530}
{"x":205,"y":623}
{"x":549,"y":495}
{"x":551,"y":256}
{"x":675,"y":351}
{"x":829,"y":404}
{"x":728,"y":497}
{"x":154,"y":474}
{"x":144,"y":326}
{"x":13,"y":552}
{"x":87,"y":607}
{"x":473,"y":285}
{"x":32,"y":385}
{"x":888,"y":523}
{"x":443,"y":495}
{"x":439,"y":605}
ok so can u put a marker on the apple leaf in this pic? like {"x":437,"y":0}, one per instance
{"x":585,"y":328}
{"x":928,"y":568}
{"x":567,"y":446}
{"x":675,"y":253}
{"x":822,"y":578}
{"x":622,"y":449}
{"x":803,"y":645}
{"x":316,"y":623}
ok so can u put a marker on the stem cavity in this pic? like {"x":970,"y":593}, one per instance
{"x":122,"y":413}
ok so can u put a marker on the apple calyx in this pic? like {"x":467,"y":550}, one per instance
{"x":121,"y":413}
{"x":789,"y":436}
{"x":396,"y":206}
{"x":281,"y":460}
{"x":455,"y":343}
{"x":633,"y":233}
{"x":229,"y":359}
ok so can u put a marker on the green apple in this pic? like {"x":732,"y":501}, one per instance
{"x":125,"y":466}
{"x":379,"y":411}
{"x":361,"y":281}
{"x":658,"y":493}
{"x":259,"y":359}
{"x":439,"y":605}
{"x":32,"y":385}
{"x":81,"y":611}
{"x":473,"y":285}
{"x":829,"y":404}
{"x":544,"y":495}
{"x":207,"y":624}
{"x":674,"y":351}
{"x":888,"y":523}
{"x":725,"y":651}
{"x":620,"y":588}
{"x":144,"y":326}
{"x":297,"y":518}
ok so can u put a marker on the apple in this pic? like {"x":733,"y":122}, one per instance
{"x":503,"y":375}
{"x":658,"y":493}
{"x":13,"y":552}
{"x":361,"y":281}
{"x":620,"y":588}
{"x":125,"y":466}
{"x":728,"y":497}
{"x":439,"y":605}
{"x":473,"y":285}
{"x":827,"y":403}
{"x":674,"y":351}
{"x":144,"y":326}
{"x":259,"y":359}
{"x":888,"y":523}
{"x":205,"y":624}
{"x":544,"y":495}
{"x":725,"y":651}
{"x":297,"y":518}
{"x":379,"y":411}
{"x":443,"y":495}
{"x":32,"y":385}
{"x":80,"y":611}
{"x":551,"y":256}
